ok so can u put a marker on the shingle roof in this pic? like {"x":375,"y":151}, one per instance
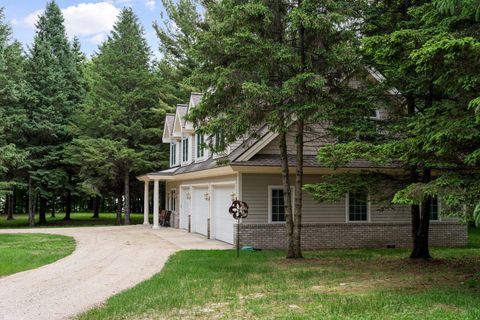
{"x":182,"y":110}
{"x":196,"y":98}
{"x":272,"y":160}
{"x":169,"y":120}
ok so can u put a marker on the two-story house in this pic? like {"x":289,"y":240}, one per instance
{"x":200,"y":188}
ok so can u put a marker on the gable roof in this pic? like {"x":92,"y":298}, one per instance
{"x":168,"y":127}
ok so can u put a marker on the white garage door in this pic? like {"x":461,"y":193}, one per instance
{"x":222,"y":220}
{"x":199,"y":210}
{"x":185,"y":208}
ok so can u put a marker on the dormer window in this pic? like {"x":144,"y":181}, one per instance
{"x":173,"y":154}
{"x":200,"y":139}
{"x":185,"y":150}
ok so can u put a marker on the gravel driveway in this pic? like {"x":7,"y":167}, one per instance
{"x":107,"y":260}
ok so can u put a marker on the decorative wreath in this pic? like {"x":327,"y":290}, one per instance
{"x":238,"y":209}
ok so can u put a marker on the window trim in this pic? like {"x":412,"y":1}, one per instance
{"x":347,"y":210}
{"x":377,"y":115}
{"x":439,"y":209}
{"x":173,"y":191}
{"x":269,"y":196}
{"x":173,"y":155}
{"x":189,"y":151}
{"x":205,"y":149}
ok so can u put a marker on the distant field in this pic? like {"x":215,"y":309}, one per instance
{"x":20,"y":252}
{"x":77,"y":220}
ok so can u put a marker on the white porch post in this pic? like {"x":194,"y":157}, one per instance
{"x":145,"y":202}
{"x":155,"y":205}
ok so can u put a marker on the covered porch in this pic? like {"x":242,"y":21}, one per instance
{"x":156,"y":178}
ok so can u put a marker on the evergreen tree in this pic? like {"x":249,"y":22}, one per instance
{"x":12,"y":93}
{"x":177,"y":37}
{"x":432,"y":59}
{"x":54,"y":94}
{"x":121,"y":109}
{"x":277,"y":62}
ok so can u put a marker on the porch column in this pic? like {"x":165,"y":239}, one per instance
{"x":145,"y":203}
{"x":155,"y":205}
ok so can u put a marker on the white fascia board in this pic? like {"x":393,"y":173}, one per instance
{"x":257,"y":146}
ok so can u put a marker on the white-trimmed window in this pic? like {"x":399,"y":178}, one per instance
{"x":358,"y":207}
{"x":374,"y":114}
{"x":173,"y":200}
{"x":185,"y":149}
{"x":200,"y":142}
{"x":276,"y":204}
{"x":434,"y":204}
{"x":173,"y":154}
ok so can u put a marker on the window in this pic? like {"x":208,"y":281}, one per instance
{"x":374,"y":114}
{"x":277,"y":207}
{"x":276,"y":203}
{"x":200,"y":146}
{"x":219,"y":142}
{"x":433,"y":208}
{"x":357,"y":205}
{"x":185,"y":150}
{"x":173,"y":199}
{"x":173,"y":154}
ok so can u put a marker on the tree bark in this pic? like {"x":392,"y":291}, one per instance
{"x":96,"y":207}
{"x":297,"y":220}
{"x":287,"y":195}
{"x":421,"y":246}
{"x":42,"y":218}
{"x":68,"y":204}
{"x":119,"y":209}
{"x":53,"y":207}
{"x":12,"y":205}
{"x":31,"y":205}
{"x":127,"y":196}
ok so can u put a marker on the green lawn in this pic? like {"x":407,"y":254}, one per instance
{"x":20,"y":252}
{"x":77,"y":219}
{"x":329,"y":284}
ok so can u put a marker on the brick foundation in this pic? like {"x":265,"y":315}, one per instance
{"x":359,"y":235}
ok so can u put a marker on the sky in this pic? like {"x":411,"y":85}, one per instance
{"x":90,"y":20}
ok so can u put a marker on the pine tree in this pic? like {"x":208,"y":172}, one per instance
{"x":280,"y":63}
{"x":12,"y":92}
{"x":54,"y":94}
{"x":429,"y":57}
{"x":121,"y":108}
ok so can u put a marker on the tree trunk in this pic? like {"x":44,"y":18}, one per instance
{"x":31,"y":205}
{"x":287,"y":195}
{"x":68,"y":204}
{"x":42,"y":218}
{"x":297,"y":220}
{"x":12,"y":205}
{"x":119,"y":209}
{"x":96,"y":207}
{"x":53,"y":207}
{"x":127,"y":196}
{"x":421,"y":246}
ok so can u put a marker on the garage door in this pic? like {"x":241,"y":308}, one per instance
{"x":222,"y":220}
{"x":199,"y":210}
{"x":185,"y":208}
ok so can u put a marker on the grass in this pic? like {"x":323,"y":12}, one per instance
{"x":77,"y":220}
{"x":328,"y":284}
{"x":20,"y":252}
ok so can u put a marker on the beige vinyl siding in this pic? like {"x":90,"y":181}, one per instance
{"x":255,"y":193}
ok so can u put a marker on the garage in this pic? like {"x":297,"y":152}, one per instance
{"x":184,"y":208}
{"x":200,"y":210}
{"x":222,"y":220}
